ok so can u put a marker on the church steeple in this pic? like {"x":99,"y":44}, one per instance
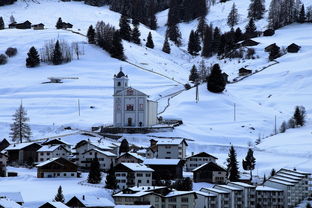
{"x":120,"y":81}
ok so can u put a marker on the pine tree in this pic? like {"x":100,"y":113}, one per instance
{"x":232,"y":165}
{"x":238,"y":35}
{"x":174,"y":34}
{"x":57,"y":58}
{"x":91,"y":35}
{"x":201,"y":26}
{"x":124,"y":146}
{"x":153,"y":22}
{"x":193,"y":75}
{"x":299,"y":116}
{"x":302,"y":18}
{"x":59,"y":23}
{"x":256,"y":9}
{"x":111,"y":182}
{"x":308,"y":205}
{"x":191,"y":43}
{"x":149,"y":42}
{"x":233,"y":16}
{"x":135,"y":22}
{"x":135,"y":35}
{"x":166,"y":46}
{"x":59,"y":197}
{"x":33,"y":59}
{"x":283,"y":127}
{"x":251,"y":29}
{"x":216,"y":40}
{"x":125,"y":30}
{"x":117,"y":50}
{"x":208,"y":42}
{"x":249,"y":162}
{"x":20,"y":130}
{"x":264,"y":179}
{"x":95,"y":176}
{"x":273,"y":172}
{"x":215,"y":81}
{"x":1,"y":23}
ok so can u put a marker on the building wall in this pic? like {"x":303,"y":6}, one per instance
{"x":168,"y":151}
{"x":286,"y":191}
{"x":140,"y":178}
{"x":104,"y":160}
{"x":58,"y":175}
{"x":205,"y":201}
{"x":194,"y":162}
{"x":3,"y":160}
{"x":270,"y":199}
{"x":59,"y":152}
{"x":219,"y":177}
{"x":152,"y":113}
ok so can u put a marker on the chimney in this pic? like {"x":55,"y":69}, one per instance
{"x":83,"y":197}
{"x":192,"y":153}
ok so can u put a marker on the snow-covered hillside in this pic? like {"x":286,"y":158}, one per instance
{"x":210,"y":122}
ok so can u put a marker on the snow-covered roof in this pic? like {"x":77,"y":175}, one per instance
{"x":174,"y":193}
{"x":291,"y":173}
{"x":161,"y":161}
{"x":15,"y":196}
{"x":134,"y":155}
{"x":8,"y":203}
{"x":107,"y":153}
{"x":137,"y":194}
{"x":213,"y":166}
{"x":49,"y":148}
{"x":19,"y":146}
{"x":296,"y":171}
{"x":57,"y":204}
{"x":133,"y":206}
{"x":214,"y":190}
{"x":245,"y":185}
{"x":137,"y":167}
{"x":267,"y":188}
{"x":146,"y":188}
{"x":92,"y":201}
{"x":232,"y":188}
{"x":281,"y":182}
{"x":288,"y":176}
{"x":284,"y":179}
{"x":169,"y":141}
{"x":47,"y":162}
{"x":202,"y":154}
{"x":205,"y":194}
{"x":143,"y":151}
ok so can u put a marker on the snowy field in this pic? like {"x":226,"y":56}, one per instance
{"x":209,"y":123}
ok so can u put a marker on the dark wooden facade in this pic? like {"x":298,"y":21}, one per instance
{"x":60,"y":165}
{"x":293,"y":48}
{"x":167,"y":171}
{"x":24,"y":25}
{"x":206,"y":172}
{"x":249,"y":42}
{"x":269,"y":32}
{"x":4,"y":144}
{"x":38,"y":26}
{"x":128,"y":158}
{"x":24,"y":155}
{"x":244,"y":72}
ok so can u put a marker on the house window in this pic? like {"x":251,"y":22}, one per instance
{"x":72,"y":174}
{"x":41,"y":153}
{"x":139,"y":174}
{"x":184,"y":199}
{"x":168,"y":152}
{"x":58,"y":174}
{"x":172,"y":200}
{"x":141,"y":107}
{"x":130,"y":107}
{"x":48,"y":153}
{"x":148,"y":175}
{"x":64,"y":174}
{"x":139,"y":181}
{"x":129,"y":92}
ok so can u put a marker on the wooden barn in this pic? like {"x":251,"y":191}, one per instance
{"x":57,"y":168}
{"x":23,"y":153}
{"x":39,"y":26}
{"x":270,"y":47}
{"x":210,"y":172}
{"x":249,"y":42}
{"x":66,"y":25}
{"x":269,"y":32}
{"x":244,"y":72}
{"x":166,"y":169}
{"x":24,"y":25}
{"x":293,"y":48}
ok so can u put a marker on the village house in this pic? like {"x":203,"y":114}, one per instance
{"x":47,"y":152}
{"x":53,"y":205}
{"x":24,"y":25}
{"x":270,"y":47}
{"x":14,"y":196}
{"x":132,"y":108}
{"x":205,"y":200}
{"x":244,"y":72}
{"x":235,"y":195}
{"x":293,"y":48}
{"x":211,"y":173}
{"x":222,"y":197}
{"x":159,"y":197}
{"x":249,"y":193}
{"x":88,"y":201}
{"x":133,"y":174}
{"x":57,"y":168}
{"x":23,"y":153}
{"x":66,"y":25}
{"x":197,"y":160}
{"x":166,"y":169}
{"x":39,"y":26}
{"x":8,"y":203}
{"x":105,"y":158}
{"x":269,"y":32}
{"x":129,"y":157}
{"x":4,"y":143}
{"x":167,"y":148}
{"x":58,"y":141}
{"x":268,"y":197}
{"x":249,"y":42}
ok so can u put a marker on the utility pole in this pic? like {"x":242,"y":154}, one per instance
{"x":197,"y":94}
{"x":275,"y":129}
{"x":78,"y":107}
{"x":234,"y":111}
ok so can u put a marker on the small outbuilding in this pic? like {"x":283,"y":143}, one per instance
{"x":269,"y":48}
{"x":249,"y":42}
{"x":24,"y":25}
{"x":244,"y":72}
{"x":269,"y":32}
{"x":293,"y":48}
{"x":39,"y":26}
{"x":66,"y":25}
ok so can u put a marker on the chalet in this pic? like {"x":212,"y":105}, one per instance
{"x":293,"y":48}
{"x":57,"y":168}
{"x":129,"y":157}
{"x":53,"y":205}
{"x":39,"y":26}
{"x":66,"y":25}
{"x":47,"y":152}
{"x":166,"y":169}
{"x":24,"y":25}
{"x":210,"y":172}
{"x":57,"y":142}
{"x":244,"y":72}
{"x":12,"y":25}
{"x":22,"y":153}
{"x":161,"y":197}
{"x":106,"y":159}
{"x":267,"y":197}
{"x":269,"y":32}
{"x":222,"y":197}
{"x":270,"y":47}
{"x":8,"y":203}
{"x":168,"y":148}
{"x":199,"y":159}
{"x":14,"y":196}
{"x":89,"y":202}
{"x":4,"y":143}
{"x":133,"y":174}
{"x":249,"y":42}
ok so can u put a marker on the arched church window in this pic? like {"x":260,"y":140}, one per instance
{"x":118,"y":84}
{"x":130,"y":107}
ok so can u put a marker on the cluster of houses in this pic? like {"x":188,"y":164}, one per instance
{"x":28,"y":25}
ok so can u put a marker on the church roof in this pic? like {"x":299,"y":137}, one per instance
{"x":120,"y":74}
{"x":135,"y":92}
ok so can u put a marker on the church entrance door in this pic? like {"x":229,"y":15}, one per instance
{"x":129,"y":121}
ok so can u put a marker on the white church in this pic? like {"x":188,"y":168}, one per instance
{"x":132,"y":107}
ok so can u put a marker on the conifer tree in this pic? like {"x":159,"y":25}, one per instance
{"x":174,"y":34}
{"x":251,"y":29}
{"x":111,"y":182}
{"x":166,"y":47}
{"x":208,"y":42}
{"x":216,"y":40}
{"x":193,"y":75}
{"x":238,"y":35}
{"x":59,"y":197}
{"x":153,"y":22}
{"x":191,"y":43}
{"x":91,"y":35}
{"x":201,"y":26}
{"x":124,"y":146}
{"x":215,"y":81}
{"x":299,"y":116}
{"x":135,"y":22}
{"x":95,"y":176}
{"x":1,"y":23}
{"x":20,"y":130}
{"x":302,"y":17}
{"x":232,"y":165}
{"x":233,"y":16}
{"x":149,"y":42}
{"x":32,"y":59}
{"x":117,"y":50}
{"x":57,"y":58}
{"x":308,"y":205}
{"x":59,"y":23}
{"x":125,"y":30}
{"x":283,"y":127}
{"x":249,"y":162}
{"x":273,"y":172}
{"x":256,"y":9}
{"x":135,"y":35}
